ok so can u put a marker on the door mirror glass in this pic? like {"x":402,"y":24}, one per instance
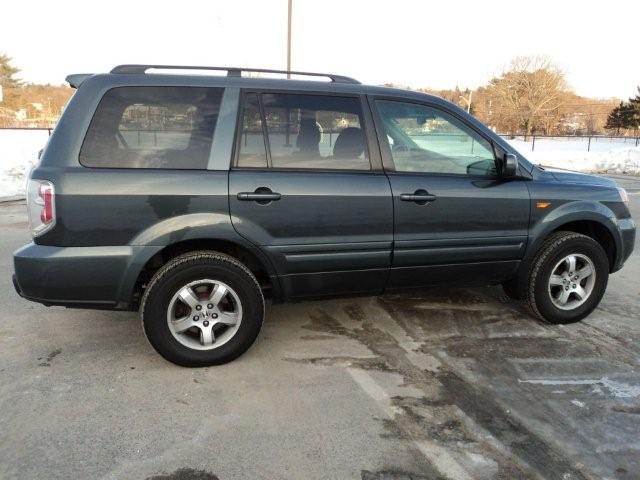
{"x":509,"y":165}
{"x":484,"y":168}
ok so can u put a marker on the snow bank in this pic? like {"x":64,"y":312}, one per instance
{"x":19,"y":151}
{"x":618,"y":159}
{"x":18,"y":154}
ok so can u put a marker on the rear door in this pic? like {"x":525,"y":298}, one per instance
{"x":307,"y":187}
{"x":456,"y":219}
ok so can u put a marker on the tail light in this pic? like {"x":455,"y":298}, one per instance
{"x":41,"y":205}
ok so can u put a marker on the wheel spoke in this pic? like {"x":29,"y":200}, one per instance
{"x":182,"y":324}
{"x":227,"y":318}
{"x":555,"y":280}
{"x":206,"y":336}
{"x":584,"y":272}
{"x":580,"y":292}
{"x":188,"y":296}
{"x":218,"y":293}
{"x":571,"y":260}
{"x":563,"y":298}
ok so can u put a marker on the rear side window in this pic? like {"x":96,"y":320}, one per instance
{"x":253,"y":152}
{"x":304,"y":132}
{"x":152,"y":127}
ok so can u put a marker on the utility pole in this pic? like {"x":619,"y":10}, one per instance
{"x":289,"y":38}
{"x":468,"y":100}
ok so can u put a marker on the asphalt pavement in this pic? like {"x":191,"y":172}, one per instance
{"x":445,"y":383}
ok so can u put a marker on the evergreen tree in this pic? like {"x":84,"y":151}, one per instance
{"x":625,"y":116}
{"x":7,"y":72}
{"x":615,"y":120}
{"x":633,"y":113}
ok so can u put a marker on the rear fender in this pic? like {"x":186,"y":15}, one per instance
{"x":195,"y":226}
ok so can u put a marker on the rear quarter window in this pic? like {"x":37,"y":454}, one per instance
{"x":152,"y":127}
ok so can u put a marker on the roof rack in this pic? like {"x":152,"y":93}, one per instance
{"x":231,"y":71}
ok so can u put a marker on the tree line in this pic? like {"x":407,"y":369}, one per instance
{"x":28,"y":105}
{"x":530,"y":96}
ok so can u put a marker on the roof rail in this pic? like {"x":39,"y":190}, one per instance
{"x":231,"y":71}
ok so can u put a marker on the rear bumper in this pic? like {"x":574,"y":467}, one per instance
{"x":84,"y":277}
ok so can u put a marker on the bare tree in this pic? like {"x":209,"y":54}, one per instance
{"x":528,"y":95}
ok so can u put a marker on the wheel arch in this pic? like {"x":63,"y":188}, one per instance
{"x":596,"y":230}
{"x":251,"y":257}
{"x":592,"y":219}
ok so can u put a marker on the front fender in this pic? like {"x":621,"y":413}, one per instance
{"x":573,"y":211}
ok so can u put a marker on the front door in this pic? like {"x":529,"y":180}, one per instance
{"x":304,"y":190}
{"x":456,"y":220}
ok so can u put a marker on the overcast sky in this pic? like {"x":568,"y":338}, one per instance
{"x":417,"y":43}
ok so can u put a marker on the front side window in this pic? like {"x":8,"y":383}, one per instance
{"x":307,"y":132}
{"x":152,"y":127}
{"x":428,"y":140}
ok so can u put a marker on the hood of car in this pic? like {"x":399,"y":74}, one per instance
{"x":567,"y":176}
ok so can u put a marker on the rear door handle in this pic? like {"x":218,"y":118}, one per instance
{"x":420,"y":197}
{"x":261,"y":195}
{"x":248,"y":196}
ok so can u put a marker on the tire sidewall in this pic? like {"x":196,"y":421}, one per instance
{"x":580,"y":245}
{"x":156,"y":304}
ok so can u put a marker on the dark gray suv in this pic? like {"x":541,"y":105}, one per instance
{"x":191,"y":198}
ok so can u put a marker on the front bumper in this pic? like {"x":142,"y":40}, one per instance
{"x":627,"y":229}
{"x":86,"y":277}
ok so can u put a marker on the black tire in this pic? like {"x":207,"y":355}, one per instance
{"x":553,"y":250}
{"x":185,"y":269}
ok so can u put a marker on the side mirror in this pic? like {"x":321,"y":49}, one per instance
{"x":509,"y":165}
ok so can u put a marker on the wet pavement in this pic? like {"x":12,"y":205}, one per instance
{"x":445,"y":383}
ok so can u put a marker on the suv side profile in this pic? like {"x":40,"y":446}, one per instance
{"x":191,"y":198}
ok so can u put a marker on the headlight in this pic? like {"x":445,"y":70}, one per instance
{"x":624,"y":196}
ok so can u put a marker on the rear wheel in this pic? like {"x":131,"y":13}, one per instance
{"x":568,"y":278}
{"x":202,"y":308}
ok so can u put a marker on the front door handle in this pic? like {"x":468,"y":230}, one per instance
{"x":421,"y":197}
{"x":262,"y":195}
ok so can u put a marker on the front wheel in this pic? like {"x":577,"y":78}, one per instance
{"x":202,"y":308}
{"x":568,"y":278}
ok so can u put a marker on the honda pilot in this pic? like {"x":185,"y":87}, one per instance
{"x":191,"y":198}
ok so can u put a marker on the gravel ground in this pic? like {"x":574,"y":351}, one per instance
{"x":457,"y":384}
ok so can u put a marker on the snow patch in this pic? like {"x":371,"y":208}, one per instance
{"x":572,"y":156}
{"x":616,"y":388}
{"x":18,"y":155}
